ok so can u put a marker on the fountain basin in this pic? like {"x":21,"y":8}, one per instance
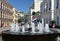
{"x":27,"y":36}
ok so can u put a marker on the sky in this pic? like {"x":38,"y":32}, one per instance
{"x":21,"y":5}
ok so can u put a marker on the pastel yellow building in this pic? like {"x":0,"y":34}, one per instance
{"x":16,"y":15}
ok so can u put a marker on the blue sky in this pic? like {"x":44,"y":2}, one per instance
{"x":21,"y":5}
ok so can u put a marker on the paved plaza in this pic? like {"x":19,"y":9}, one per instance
{"x":0,"y":38}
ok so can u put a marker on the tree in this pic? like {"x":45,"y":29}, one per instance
{"x":52,"y":24}
{"x":53,"y":21}
{"x":19,"y":20}
{"x":33,"y":13}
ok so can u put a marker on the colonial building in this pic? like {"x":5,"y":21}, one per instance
{"x":17,"y":15}
{"x":50,"y":10}
{"x":6,"y":13}
{"x":35,"y":7}
{"x":14,"y":15}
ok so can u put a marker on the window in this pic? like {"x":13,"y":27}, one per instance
{"x":46,"y":7}
{"x":57,"y":20}
{"x":44,"y":22}
{"x":50,"y":5}
{"x":0,"y":14}
{"x":41,"y":11}
{"x":1,"y":4}
{"x":57,"y":4}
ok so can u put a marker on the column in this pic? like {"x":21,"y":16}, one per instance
{"x":40,"y":4}
{"x":52,"y":10}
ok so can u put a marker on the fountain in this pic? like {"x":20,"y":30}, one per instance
{"x":14,"y":27}
{"x":47,"y":28}
{"x":40,"y":27}
{"x":43,"y":23}
{"x":27,"y":25}
{"x":33,"y":27}
{"x":23,"y":29}
{"x":17,"y":28}
{"x":41,"y":35}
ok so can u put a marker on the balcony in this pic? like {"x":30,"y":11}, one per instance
{"x":4,"y":19}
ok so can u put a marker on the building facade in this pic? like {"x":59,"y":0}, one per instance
{"x":17,"y":15}
{"x":50,"y":10}
{"x":6,"y":13}
{"x":35,"y":7}
{"x":14,"y":15}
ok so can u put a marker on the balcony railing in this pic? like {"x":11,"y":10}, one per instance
{"x":4,"y":19}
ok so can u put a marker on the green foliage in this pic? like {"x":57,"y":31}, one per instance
{"x":53,"y":21}
{"x":33,"y":13}
{"x":19,"y":20}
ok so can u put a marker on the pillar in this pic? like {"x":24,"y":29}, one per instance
{"x":52,"y":9}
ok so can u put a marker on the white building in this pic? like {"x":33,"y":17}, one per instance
{"x":50,"y":10}
{"x":37,"y":4}
{"x":35,"y":7}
